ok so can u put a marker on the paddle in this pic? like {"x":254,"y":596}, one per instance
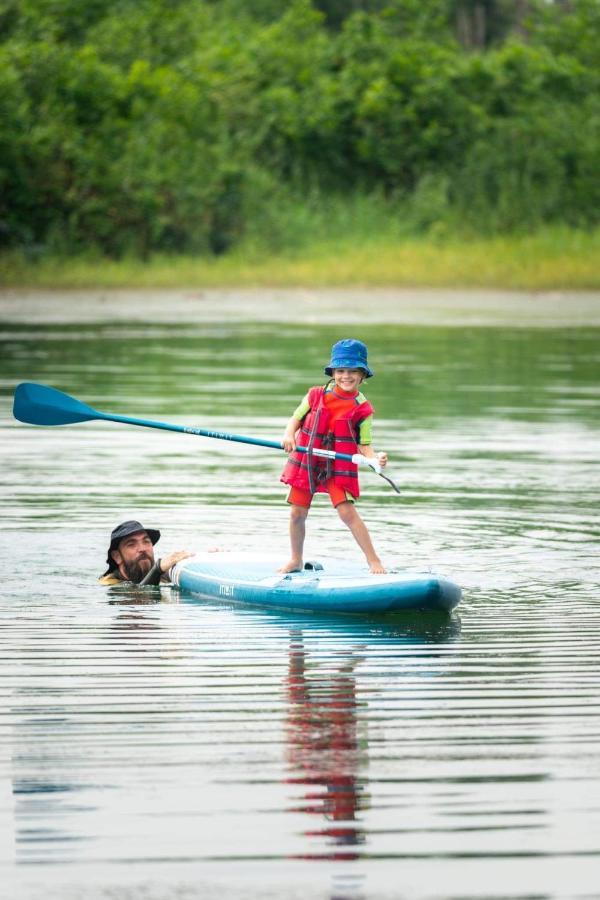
{"x":38,"y":404}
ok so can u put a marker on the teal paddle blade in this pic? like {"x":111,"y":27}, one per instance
{"x":38,"y":404}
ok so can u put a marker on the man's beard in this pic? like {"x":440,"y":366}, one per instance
{"x":140,"y":567}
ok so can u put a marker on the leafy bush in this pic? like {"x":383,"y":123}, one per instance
{"x":138,"y":126}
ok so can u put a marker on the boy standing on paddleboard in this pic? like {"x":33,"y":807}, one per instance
{"x":335,"y":417}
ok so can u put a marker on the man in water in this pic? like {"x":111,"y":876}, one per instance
{"x":131,"y":556}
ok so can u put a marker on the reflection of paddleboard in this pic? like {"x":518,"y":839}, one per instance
{"x":333,"y":586}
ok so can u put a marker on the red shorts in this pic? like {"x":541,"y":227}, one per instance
{"x":301,"y":497}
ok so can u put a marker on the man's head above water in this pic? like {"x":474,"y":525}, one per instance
{"x":131,"y":550}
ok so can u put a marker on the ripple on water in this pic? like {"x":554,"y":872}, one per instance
{"x":158,"y":746}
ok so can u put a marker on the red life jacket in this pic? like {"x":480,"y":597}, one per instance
{"x":303,"y":470}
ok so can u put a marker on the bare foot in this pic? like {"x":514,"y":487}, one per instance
{"x":377,"y":568}
{"x":293,"y":565}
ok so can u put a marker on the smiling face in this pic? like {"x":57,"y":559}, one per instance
{"x":348,"y":380}
{"x":134,"y":556}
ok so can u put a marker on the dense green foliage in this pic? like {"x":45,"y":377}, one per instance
{"x":131,"y":126}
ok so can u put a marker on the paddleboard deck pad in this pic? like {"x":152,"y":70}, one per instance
{"x":331,"y":585}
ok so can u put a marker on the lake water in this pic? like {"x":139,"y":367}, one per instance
{"x":170,"y":748}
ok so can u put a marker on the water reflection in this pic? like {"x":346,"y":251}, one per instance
{"x":132,"y":595}
{"x":325,"y":751}
{"x":326,"y":730}
{"x":422,"y":373}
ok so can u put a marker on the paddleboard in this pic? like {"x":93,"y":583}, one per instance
{"x":331,"y":585}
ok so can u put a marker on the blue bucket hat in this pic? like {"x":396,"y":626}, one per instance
{"x":349,"y":354}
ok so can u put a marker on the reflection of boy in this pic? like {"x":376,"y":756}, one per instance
{"x":335,"y":417}
{"x":323,"y":746}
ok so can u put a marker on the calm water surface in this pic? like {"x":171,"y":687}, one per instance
{"x":153,"y":746}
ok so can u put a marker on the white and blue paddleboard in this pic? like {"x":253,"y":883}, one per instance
{"x":333,"y":585}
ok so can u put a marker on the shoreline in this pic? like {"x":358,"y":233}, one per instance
{"x":335,"y":306}
{"x":549,"y":260}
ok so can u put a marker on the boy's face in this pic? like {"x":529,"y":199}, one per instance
{"x":348,"y":379}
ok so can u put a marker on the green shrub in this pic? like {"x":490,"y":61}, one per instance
{"x":190,"y":126}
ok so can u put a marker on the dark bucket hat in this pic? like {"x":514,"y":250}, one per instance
{"x":349,"y":354}
{"x":124,"y":530}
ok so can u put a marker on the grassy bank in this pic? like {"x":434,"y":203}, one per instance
{"x":557,"y":258}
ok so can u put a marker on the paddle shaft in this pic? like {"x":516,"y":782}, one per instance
{"x":218,"y":435}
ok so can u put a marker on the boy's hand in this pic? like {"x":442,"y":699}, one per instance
{"x":289,"y":442}
{"x":367,"y":450}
